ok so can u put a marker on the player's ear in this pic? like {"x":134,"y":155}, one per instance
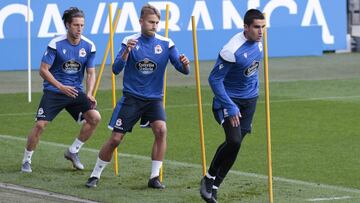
{"x":67,"y":26}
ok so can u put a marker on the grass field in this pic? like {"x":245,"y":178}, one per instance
{"x":315,"y":105}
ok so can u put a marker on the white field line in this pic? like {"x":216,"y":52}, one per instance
{"x":328,"y":199}
{"x":184,"y":164}
{"x":43,"y":193}
{"x":209,"y":104}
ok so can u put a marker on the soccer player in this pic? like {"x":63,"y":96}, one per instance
{"x":62,"y":68}
{"x":234,"y":81}
{"x":143,"y":57}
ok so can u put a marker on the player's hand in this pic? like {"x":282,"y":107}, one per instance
{"x":130,"y":44}
{"x":184,"y":60}
{"x":235,"y":120}
{"x":69,"y":91}
{"x":92,"y":101}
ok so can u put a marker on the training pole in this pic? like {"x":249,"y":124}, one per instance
{"x":29,"y":49}
{"x":198,"y":91}
{"x":103,"y":62}
{"x":116,"y":169}
{"x":164,"y":97}
{"x":267,"y":110}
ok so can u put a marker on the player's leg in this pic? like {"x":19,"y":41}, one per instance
{"x":155,"y":114}
{"x":80,"y":109}
{"x":124,"y":117}
{"x":247,"y":108}
{"x":50,"y":105}
{"x":104,"y":158}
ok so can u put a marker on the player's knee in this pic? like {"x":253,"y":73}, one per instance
{"x":116,"y":139}
{"x":93,"y":118}
{"x":160,"y":131}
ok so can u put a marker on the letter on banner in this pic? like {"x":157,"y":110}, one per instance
{"x":51,"y":14}
{"x":314,"y":7}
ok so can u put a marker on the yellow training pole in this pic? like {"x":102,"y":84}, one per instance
{"x":113,"y":81}
{"x":198,"y":91}
{"x":103,"y":62}
{"x":164,"y":97}
{"x":267,"y":109}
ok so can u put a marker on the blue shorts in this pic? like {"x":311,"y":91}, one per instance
{"x":52,"y":103}
{"x":247,"y":109}
{"x":130,"y":109}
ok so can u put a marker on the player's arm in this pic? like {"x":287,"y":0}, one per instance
{"x":216,"y":79}
{"x":46,"y":75}
{"x":123,"y":55}
{"x":179,"y":61}
{"x":90,"y":76}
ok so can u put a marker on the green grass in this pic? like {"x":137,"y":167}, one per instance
{"x":315,"y":105}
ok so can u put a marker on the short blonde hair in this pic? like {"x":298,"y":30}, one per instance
{"x":148,"y":9}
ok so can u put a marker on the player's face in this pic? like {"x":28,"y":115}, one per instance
{"x":255,"y":31}
{"x":149,"y":24}
{"x":75,"y":28}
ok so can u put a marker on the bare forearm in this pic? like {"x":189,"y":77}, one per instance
{"x":90,"y":82}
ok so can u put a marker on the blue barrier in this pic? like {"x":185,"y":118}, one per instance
{"x":296,"y":27}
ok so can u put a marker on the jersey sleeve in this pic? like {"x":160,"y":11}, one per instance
{"x":90,"y":62}
{"x":119,"y":63}
{"x":216,"y":79}
{"x":175,"y":60}
{"x":49,"y":55}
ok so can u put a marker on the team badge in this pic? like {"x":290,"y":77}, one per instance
{"x":118,"y":122}
{"x":40,"y":111}
{"x":82,"y":52}
{"x":137,"y":47}
{"x":245,"y":55}
{"x":46,"y":52}
{"x":158,"y":49}
{"x":64,"y":51}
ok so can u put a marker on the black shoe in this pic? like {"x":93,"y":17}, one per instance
{"x":92,"y":182}
{"x":213,"y":196}
{"x":206,"y":188}
{"x":155,"y":183}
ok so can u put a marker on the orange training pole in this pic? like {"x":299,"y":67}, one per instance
{"x":164,"y":97}
{"x":97,"y":84}
{"x":267,"y":109}
{"x":198,"y":91}
{"x":113,"y":80}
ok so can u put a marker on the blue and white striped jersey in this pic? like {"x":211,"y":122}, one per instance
{"x":146,"y":64}
{"x":68,"y":62}
{"x":235,"y":74}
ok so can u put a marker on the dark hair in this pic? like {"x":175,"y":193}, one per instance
{"x":148,"y":9}
{"x":72,"y":12}
{"x":251,"y":15}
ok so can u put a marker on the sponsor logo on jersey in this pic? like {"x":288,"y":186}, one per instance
{"x":71,"y":67}
{"x":252,"y":69}
{"x":82,"y":52}
{"x":146,"y":66}
{"x":158,"y":49}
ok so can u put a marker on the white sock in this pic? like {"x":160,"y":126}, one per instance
{"x":76,"y":145}
{"x":27,"y":156}
{"x":155,"y":168}
{"x":209,"y":176}
{"x":214,"y":187}
{"x":99,"y":167}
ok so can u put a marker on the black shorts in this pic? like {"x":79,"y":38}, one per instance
{"x":130,"y":109}
{"x":247,"y":109}
{"x":52,"y":103}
